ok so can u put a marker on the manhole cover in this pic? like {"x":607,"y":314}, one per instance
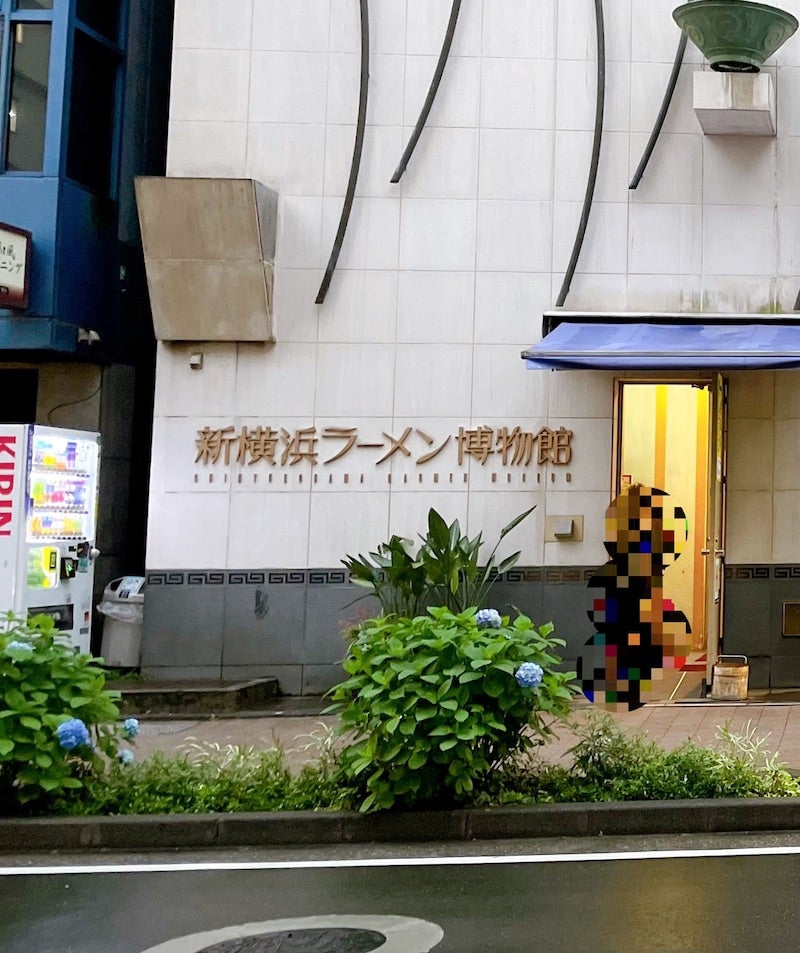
{"x":335,"y":940}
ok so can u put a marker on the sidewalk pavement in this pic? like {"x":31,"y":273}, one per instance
{"x":667,"y":724}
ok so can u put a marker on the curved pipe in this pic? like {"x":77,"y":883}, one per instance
{"x":662,"y":114}
{"x":358,"y":149}
{"x":598,"y":139}
{"x":434,"y":88}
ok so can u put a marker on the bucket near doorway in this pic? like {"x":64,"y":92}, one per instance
{"x":731,"y":673}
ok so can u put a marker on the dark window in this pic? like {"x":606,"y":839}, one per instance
{"x":91,"y":116}
{"x":101,"y":15}
{"x":18,"y":388}
{"x":30,"y":64}
{"x":34,"y":4}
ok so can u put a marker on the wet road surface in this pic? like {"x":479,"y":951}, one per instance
{"x":652,"y":896}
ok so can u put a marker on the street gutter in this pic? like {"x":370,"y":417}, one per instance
{"x":305,"y":828}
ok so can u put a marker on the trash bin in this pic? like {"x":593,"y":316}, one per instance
{"x":123,"y":608}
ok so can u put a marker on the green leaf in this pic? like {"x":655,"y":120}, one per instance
{"x":30,"y":722}
{"x":6,"y":746}
{"x":15,"y":699}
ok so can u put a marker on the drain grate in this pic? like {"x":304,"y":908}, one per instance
{"x":303,"y":941}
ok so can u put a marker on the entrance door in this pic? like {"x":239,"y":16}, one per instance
{"x":714,"y":549}
{"x":671,"y":435}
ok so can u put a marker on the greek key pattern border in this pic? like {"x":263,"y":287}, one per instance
{"x":762,"y":571}
{"x":340,"y":577}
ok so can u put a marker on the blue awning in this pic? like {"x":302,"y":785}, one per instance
{"x":629,"y":346}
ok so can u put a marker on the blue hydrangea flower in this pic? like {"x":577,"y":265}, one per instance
{"x":125,"y":756}
{"x":18,"y":646}
{"x":488,"y":619}
{"x":529,"y":675}
{"x":130,"y":728}
{"x":72,"y":733}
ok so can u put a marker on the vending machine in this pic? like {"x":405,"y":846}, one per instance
{"x":48,"y":515}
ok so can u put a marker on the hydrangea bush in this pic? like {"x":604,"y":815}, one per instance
{"x":58,"y":722}
{"x":434,"y":704}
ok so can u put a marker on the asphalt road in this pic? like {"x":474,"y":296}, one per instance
{"x":725,"y":896}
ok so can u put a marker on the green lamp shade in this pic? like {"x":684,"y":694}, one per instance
{"x":735,"y":35}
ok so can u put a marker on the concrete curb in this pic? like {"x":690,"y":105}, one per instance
{"x":292,"y":828}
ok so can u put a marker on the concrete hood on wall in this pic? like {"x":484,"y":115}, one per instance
{"x":209,"y":250}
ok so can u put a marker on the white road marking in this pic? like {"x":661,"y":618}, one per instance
{"x":505,"y":860}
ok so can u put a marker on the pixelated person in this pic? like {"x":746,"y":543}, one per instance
{"x":639,"y":633}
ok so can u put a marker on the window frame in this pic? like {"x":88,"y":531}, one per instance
{"x":118,"y":49}
{"x":64,"y":24}
{"x":57,"y":18}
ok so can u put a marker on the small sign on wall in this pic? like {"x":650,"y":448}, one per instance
{"x":15,"y":256}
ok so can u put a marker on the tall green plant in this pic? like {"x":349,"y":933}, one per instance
{"x":451,"y":560}
{"x":393,"y":575}
{"x":446,"y":570}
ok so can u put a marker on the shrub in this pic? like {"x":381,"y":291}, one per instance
{"x":434,"y":704}
{"x":210,"y":778}
{"x":57,"y":720}
{"x":612,"y":764}
{"x":446,"y":570}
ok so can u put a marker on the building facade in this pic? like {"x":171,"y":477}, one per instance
{"x":389,"y":379}
{"x":84,"y":87}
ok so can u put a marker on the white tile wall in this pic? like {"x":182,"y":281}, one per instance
{"x":427,"y":21}
{"x":385,"y":102}
{"x":786,"y":526}
{"x":445,"y":165}
{"x":192,"y":531}
{"x":343,"y":523}
{"x":432,"y":379}
{"x":665,"y":239}
{"x":514,"y":236}
{"x":435,"y":307}
{"x":749,"y":527}
{"x":295,"y":316}
{"x":214,"y":24}
{"x":592,"y":507}
{"x":201,"y":148}
{"x":739,"y":169}
{"x":490,"y":511}
{"x":517,"y":93}
{"x":296,"y":27}
{"x":182,"y":390}
{"x":302,"y":81}
{"x":350,"y":313}
{"x":443,"y":278}
{"x":372,"y":236}
{"x":387,"y":26}
{"x":272,"y":151}
{"x":269,"y":529}
{"x":509,"y":307}
{"x":262,"y":372}
{"x":739,"y":240}
{"x":751,"y":449}
{"x":459,"y":99}
{"x":502,"y":385}
{"x":354,"y":379}
{"x":382,"y":148}
{"x":520,"y":29}
{"x":437,"y":234}
{"x":210,"y":85}
{"x":786,"y":461}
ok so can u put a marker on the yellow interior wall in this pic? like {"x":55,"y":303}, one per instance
{"x":665,"y":444}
